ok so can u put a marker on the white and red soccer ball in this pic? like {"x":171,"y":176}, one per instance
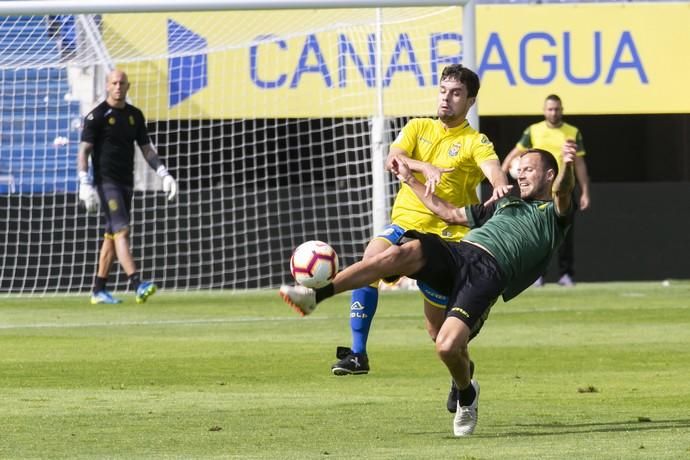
{"x":314,"y":264}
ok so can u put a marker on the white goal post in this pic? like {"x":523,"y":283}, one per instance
{"x":275,"y":116}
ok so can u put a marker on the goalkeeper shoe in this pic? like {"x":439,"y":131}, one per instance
{"x":144,"y":291}
{"x":301,"y":299}
{"x":454,"y":393}
{"x":466,"y":417}
{"x":103,"y":297}
{"x":350,"y":363}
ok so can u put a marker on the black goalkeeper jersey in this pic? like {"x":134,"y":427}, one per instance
{"x":113,"y":132}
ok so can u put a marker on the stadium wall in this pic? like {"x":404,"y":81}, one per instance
{"x":633,"y":232}
{"x":636,"y":231}
{"x":631,"y":64}
{"x":620,"y":148}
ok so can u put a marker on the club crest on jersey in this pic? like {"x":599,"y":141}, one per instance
{"x":112,"y":204}
{"x":111,"y":121}
{"x":131,"y":120}
{"x":454,"y":149}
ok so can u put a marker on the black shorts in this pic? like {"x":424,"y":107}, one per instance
{"x":467,"y":274}
{"x":116,"y":202}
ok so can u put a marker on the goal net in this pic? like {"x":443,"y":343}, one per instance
{"x":264,"y":117}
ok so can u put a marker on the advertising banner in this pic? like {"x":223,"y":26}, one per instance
{"x":616,"y":58}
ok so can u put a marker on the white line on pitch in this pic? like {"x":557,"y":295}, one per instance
{"x":155,"y":323}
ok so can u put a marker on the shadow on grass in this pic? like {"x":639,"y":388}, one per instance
{"x":555,"y":429}
{"x":550,"y":429}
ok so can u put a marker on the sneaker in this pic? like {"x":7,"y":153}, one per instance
{"x":466,"y":416}
{"x":350,"y":363}
{"x":103,"y":297}
{"x":144,"y":291}
{"x":301,"y":299}
{"x":454,"y":394}
{"x":539,"y":282}
{"x":566,"y":281}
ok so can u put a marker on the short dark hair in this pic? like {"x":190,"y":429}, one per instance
{"x":547,"y":159}
{"x":463,"y":75}
{"x":554,"y":97}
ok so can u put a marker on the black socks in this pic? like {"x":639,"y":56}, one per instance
{"x":467,"y":395}
{"x":134,"y":281}
{"x":324,"y":292}
{"x":99,"y":283}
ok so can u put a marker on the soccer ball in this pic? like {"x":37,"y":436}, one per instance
{"x":314,"y":264}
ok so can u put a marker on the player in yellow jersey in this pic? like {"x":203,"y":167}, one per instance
{"x":451,"y":159}
{"x":551,"y":134}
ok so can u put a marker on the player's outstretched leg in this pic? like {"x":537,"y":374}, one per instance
{"x":145,"y":290}
{"x":301,"y":299}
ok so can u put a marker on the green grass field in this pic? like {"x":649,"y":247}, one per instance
{"x":601,"y":371}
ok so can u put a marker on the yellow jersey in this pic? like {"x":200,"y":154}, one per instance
{"x":461,"y":148}
{"x":540,"y":136}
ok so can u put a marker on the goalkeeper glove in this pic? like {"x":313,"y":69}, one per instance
{"x":87,"y":193}
{"x":169,"y":183}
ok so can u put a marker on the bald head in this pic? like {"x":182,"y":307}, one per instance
{"x":117,"y":86}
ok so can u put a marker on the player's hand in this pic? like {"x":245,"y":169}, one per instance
{"x":89,"y":197}
{"x":401,"y":169}
{"x":499,"y":192}
{"x":170,"y":187}
{"x":432,"y":176}
{"x":569,"y":151}
{"x":584,"y":202}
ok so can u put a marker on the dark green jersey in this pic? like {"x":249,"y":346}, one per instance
{"x":521,"y":235}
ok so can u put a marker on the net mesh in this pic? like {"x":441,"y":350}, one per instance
{"x":263,"y":117}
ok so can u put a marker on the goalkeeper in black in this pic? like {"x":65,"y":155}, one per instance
{"x":512,"y":240}
{"x":110,"y":131}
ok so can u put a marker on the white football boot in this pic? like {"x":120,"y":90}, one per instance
{"x":466,"y":416}
{"x":301,"y":299}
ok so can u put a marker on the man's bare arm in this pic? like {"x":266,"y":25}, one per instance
{"x":85,"y":150}
{"x":446,"y":211}
{"x":512,"y":155}
{"x":432,"y":174}
{"x":582,"y":179}
{"x":565,"y":182}
{"x":493,"y":172}
{"x":151,"y":156}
